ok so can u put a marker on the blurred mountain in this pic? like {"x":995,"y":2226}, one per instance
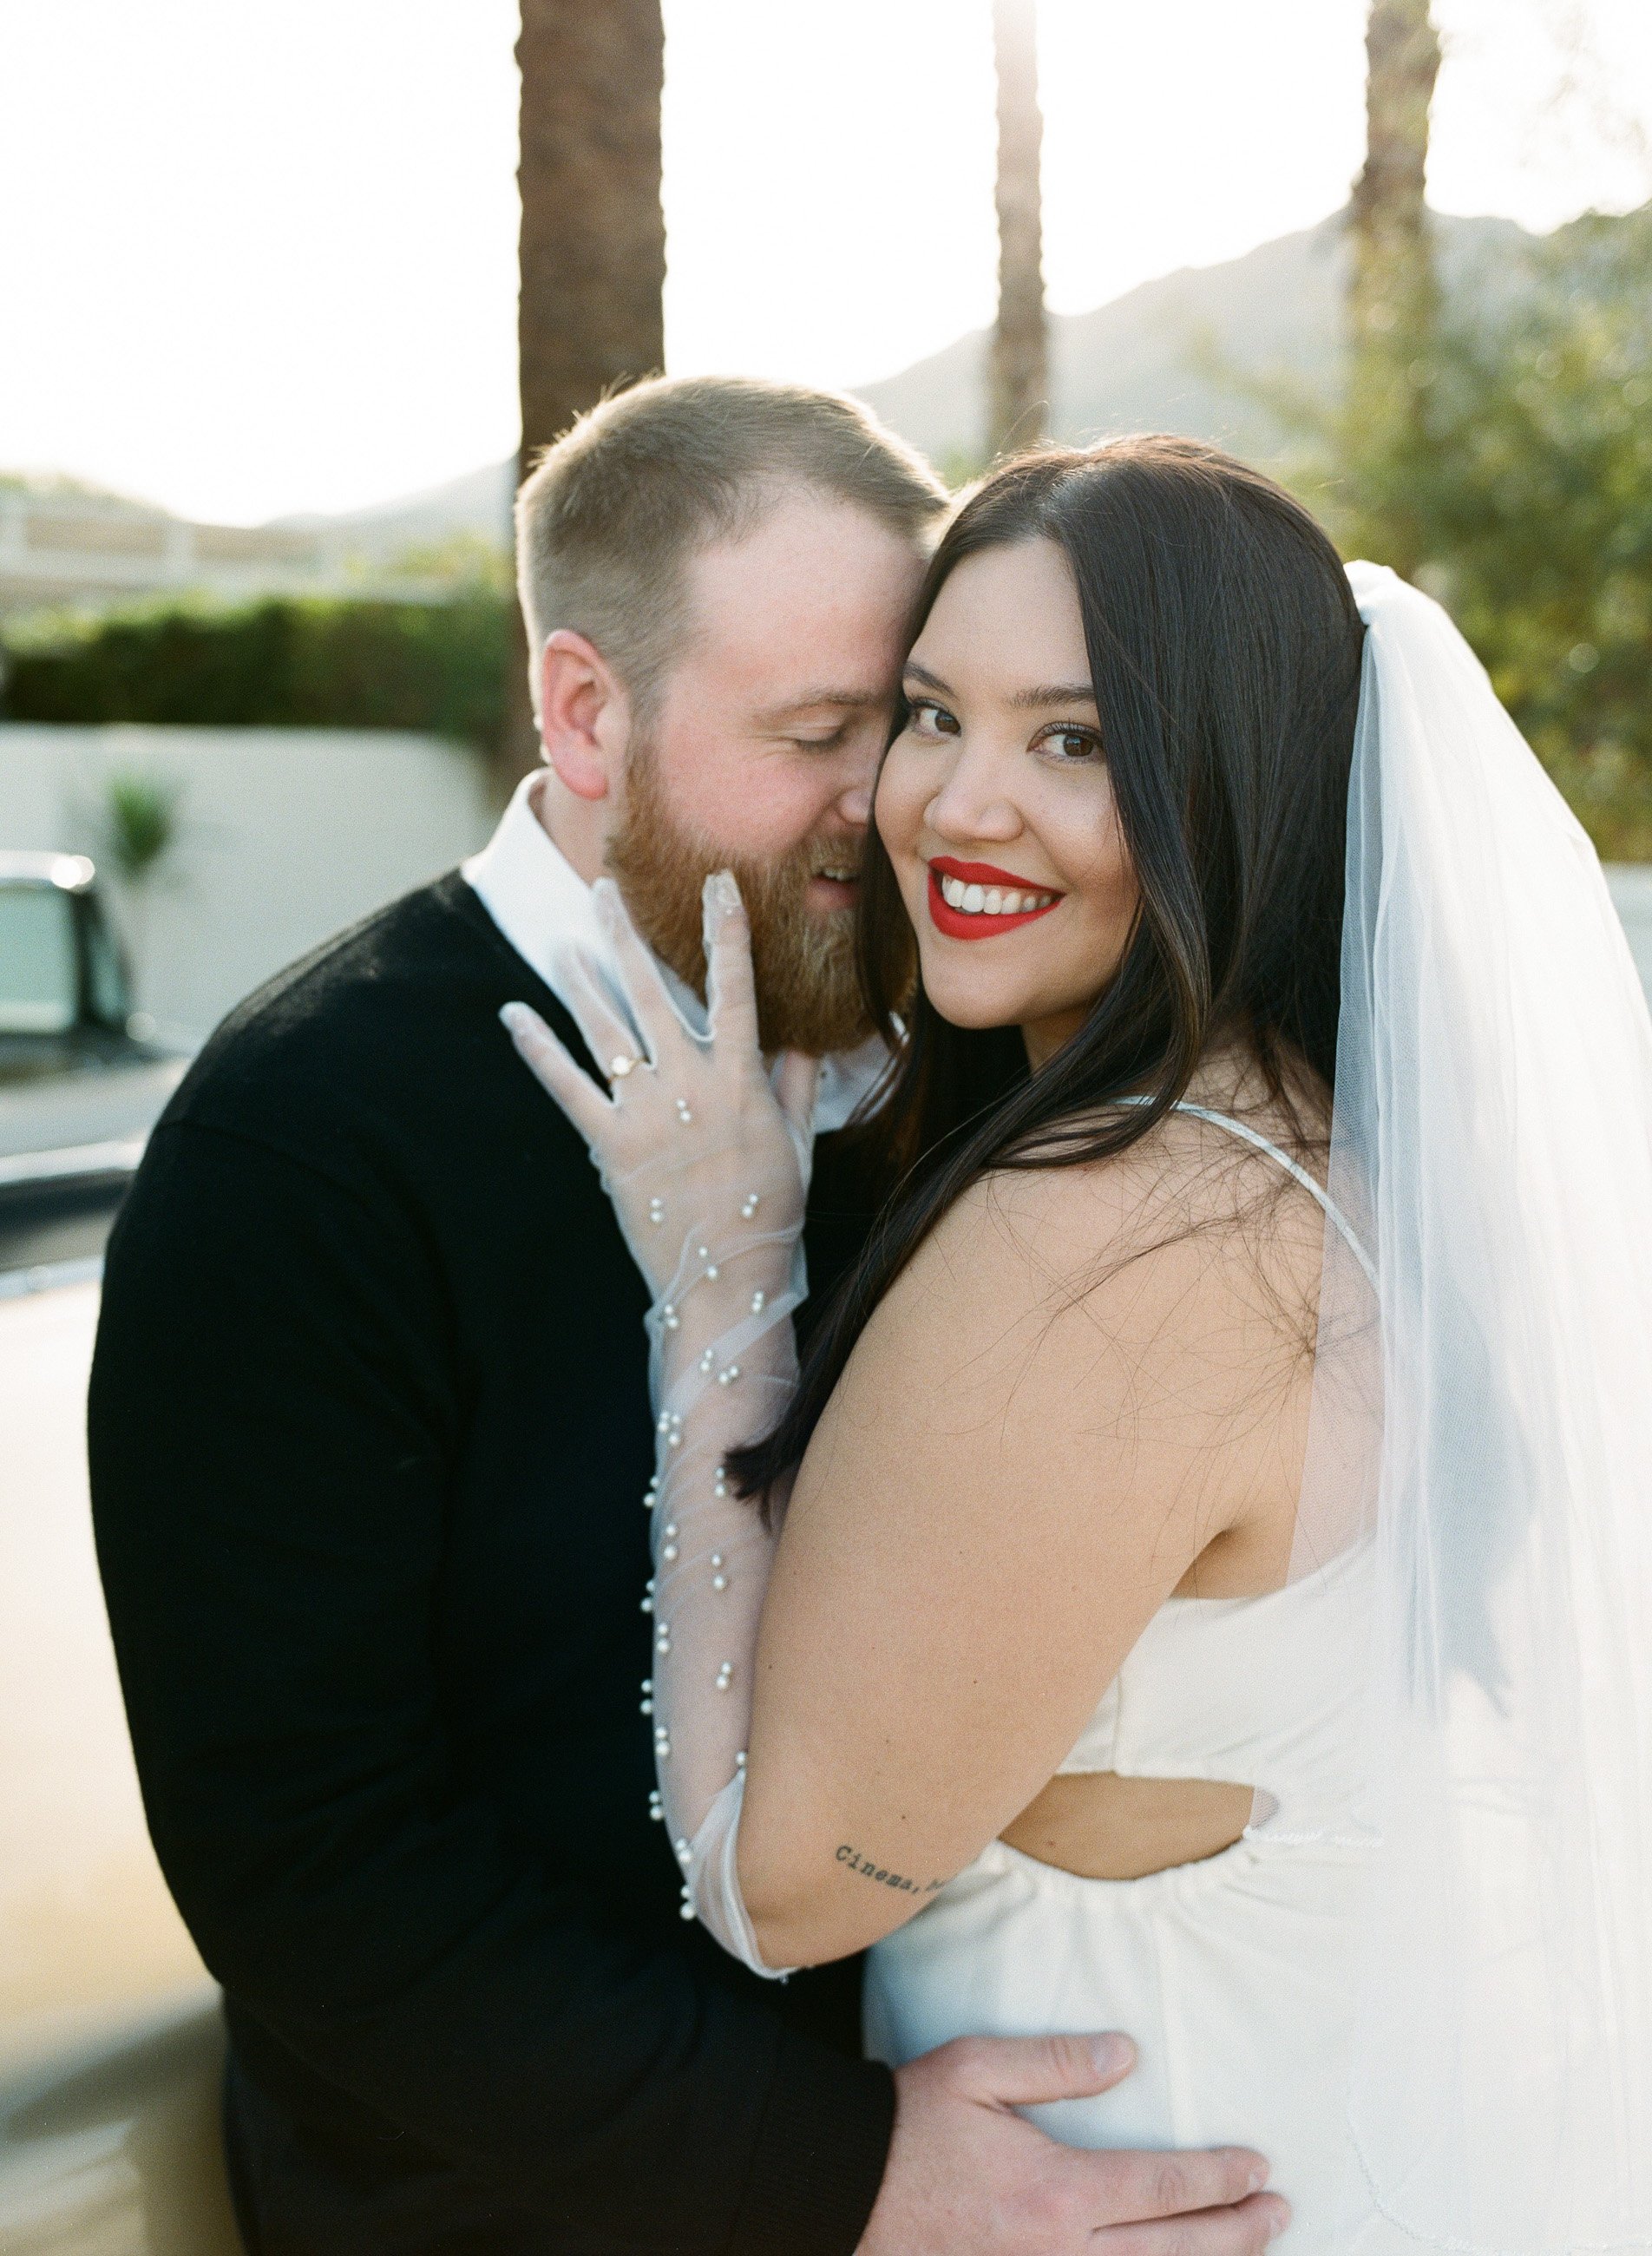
{"x":1164,"y":357}
{"x":1155,"y":359}
{"x":476,"y":506}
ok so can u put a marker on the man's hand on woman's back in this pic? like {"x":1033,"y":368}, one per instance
{"x":967,"y":2176}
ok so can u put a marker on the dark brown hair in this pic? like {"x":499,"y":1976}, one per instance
{"x":1224,"y":650}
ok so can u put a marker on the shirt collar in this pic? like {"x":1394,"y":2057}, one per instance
{"x":544,"y":908}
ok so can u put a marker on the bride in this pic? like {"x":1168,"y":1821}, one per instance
{"x":1198,"y":1581}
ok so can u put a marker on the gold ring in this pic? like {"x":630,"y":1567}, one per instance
{"x":620,"y":1067}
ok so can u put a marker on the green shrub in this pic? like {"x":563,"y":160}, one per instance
{"x":311,"y":662}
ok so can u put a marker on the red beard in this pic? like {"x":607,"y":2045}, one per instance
{"x":809,"y":993}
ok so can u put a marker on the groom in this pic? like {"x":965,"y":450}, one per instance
{"x":370,"y":1435}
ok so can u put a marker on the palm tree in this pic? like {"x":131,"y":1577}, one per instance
{"x":1391,"y":286}
{"x":1018,"y":373}
{"x":593,"y":241}
{"x":140,"y":827}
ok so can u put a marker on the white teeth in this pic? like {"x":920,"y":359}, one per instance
{"x":991,"y":901}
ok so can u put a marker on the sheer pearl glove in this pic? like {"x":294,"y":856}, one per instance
{"x":706,"y":1160}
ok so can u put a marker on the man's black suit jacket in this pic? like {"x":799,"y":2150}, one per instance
{"x":368,"y":1435}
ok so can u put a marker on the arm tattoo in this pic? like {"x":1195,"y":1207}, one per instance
{"x":855,"y":1862}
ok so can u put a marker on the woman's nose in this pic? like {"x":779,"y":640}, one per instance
{"x":971,"y":804}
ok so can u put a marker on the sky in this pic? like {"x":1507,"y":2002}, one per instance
{"x":260,"y":258}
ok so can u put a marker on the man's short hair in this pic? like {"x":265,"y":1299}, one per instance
{"x":613,"y":512}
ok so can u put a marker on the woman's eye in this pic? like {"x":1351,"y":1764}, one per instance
{"x":1071,"y":744}
{"x":926,"y":718}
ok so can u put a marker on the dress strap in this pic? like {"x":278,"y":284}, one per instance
{"x":1333,"y":1212}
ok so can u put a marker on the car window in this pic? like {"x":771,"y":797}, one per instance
{"x":38,"y":985}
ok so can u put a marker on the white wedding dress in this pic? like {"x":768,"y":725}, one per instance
{"x":1421,"y":1981}
{"x":1231,"y":1975}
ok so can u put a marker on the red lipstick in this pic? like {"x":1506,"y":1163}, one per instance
{"x":959,"y":924}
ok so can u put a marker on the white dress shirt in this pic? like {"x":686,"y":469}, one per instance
{"x":544,"y":908}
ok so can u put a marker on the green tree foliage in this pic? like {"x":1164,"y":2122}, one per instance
{"x":317,"y":663}
{"x":1520,"y":492}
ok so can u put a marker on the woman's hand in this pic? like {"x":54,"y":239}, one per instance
{"x":701,"y":1153}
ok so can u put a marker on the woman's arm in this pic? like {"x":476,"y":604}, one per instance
{"x":706,"y":1162}
{"x":1013,"y":1475}
{"x":1037,"y":1434}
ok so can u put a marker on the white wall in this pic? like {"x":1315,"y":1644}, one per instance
{"x":1631,"y":884}
{"x":286,"y":835}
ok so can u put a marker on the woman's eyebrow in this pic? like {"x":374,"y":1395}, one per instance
{"x":1055,"y":692}
{"x":1035,"y":699}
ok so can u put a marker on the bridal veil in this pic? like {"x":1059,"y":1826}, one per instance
{"x":1483,"y":1419}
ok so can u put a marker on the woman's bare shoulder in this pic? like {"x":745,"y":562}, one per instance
{"x":1188,"y":1228}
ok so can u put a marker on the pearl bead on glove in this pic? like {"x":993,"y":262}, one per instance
{"x":706,"y":1159}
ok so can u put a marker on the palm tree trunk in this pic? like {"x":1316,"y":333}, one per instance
{"x":1391,"y":297}
{"x":1391,"y":286}
{"x":1019,"y":376}
{"x":1390,"y":223}
{"x":593,"y":242}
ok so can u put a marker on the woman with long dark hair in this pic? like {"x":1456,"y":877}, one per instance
{"x":1210,"y":1597}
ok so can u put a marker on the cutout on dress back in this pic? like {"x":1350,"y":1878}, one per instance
{"x":1102,"y":1826}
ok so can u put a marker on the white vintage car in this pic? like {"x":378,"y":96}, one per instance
{"x":110,"y":2035}
{"x":111,"y":2044}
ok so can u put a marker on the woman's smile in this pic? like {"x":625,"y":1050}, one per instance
{"x":974,"y":900}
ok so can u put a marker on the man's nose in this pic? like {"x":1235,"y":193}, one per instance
{"x":858,"y":780}
{"x":854,"y":805}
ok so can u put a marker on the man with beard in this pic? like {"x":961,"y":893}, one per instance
{"x":370,"y":1431}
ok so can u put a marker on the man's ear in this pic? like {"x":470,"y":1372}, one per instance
{"x":584,"y":715}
